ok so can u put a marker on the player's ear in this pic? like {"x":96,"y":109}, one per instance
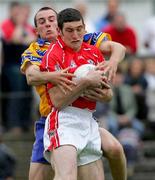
{"x":60,"y":31}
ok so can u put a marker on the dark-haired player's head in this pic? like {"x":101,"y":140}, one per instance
{"x":72,"y":27}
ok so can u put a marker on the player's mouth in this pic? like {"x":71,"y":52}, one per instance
{"x":49,"y":32}
{"x":75,"y":42}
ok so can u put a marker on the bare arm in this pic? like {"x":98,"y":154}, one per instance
{"x":98,"y":94}
{"x":117,"y":53}
{"x":35,"y":77}
{"x":60,"y":100}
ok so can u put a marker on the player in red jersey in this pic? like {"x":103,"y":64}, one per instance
{"x":45,"y":20}
{"x":73,"y":121}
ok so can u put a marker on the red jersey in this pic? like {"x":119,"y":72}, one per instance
{"x":59,"y":56}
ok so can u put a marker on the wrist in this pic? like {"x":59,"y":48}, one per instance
{"x":46,"y":77}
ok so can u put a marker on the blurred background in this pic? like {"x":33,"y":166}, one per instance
{"x":130,"y":116}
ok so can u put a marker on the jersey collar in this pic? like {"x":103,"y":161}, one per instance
{"x":42,"y":42}
{"x":64,"y":46}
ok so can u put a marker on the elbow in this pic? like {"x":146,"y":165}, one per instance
{"x":58,"y":104}
{"x":29,"y":79}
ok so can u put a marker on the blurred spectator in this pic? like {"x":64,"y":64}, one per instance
{"x":0,"y":55}
{"x":121,"y":120}
{"x":16,"y":35}
{"x":136,"y":79}
{"x":121,"y":32}
{"x":150,"y":93}
{"x":101,"y":113}
{"x":7,"y":161}
{"x":149,"y":36}
{"x":82,"y":6}
{"x":112,"y":8}
{"x":0,"y":79}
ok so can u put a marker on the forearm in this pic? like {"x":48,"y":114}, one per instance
{"x":93,"y":79}
{"x":61,"y":100}
{"x":98,"y":94}
{"x":116,"y":50}
{"x":35,"y":77}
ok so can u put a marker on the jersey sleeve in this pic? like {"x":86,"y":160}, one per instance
{"x":50,"y":63}
{"x":96,"y":38}
{"x":50,"y":60}
{"x":30,"y":56}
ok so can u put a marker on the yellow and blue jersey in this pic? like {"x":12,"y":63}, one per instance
{"x":37,"y":50}
{"x":96,"y":38}
{"x":34,"y":55}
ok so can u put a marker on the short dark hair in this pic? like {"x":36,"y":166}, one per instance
{"x":42,"y":9}
{"x":68,"y":15}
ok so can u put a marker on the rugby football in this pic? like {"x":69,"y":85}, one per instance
{"x":83,"y":70}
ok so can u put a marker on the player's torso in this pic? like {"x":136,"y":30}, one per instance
{"x":87,"y":55}
{"x":72,"y":60}
{"x":69,"y":58}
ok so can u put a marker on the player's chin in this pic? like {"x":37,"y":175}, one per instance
{"x":50,"y":36}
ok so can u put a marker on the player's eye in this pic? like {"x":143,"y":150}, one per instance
{"x":41,"y":21}
{"x":79,"y":29}
{"x":51,"y":19}
{"x":69,"y":30}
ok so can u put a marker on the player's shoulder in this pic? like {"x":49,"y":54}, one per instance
{"x":96,"y":38}
{"x":54,"y":52}
{"x":57,"y":48}
{"x":54,"y":48}
{"x":31,"y":49}
{"x":89,"y":48}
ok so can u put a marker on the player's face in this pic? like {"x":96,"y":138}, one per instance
{"x":72,"y":34}
{"x":47,"y":25}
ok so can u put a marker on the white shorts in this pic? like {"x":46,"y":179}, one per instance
{"x":73,"y":126}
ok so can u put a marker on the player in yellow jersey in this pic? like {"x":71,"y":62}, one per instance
{"x":46,"y":28}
